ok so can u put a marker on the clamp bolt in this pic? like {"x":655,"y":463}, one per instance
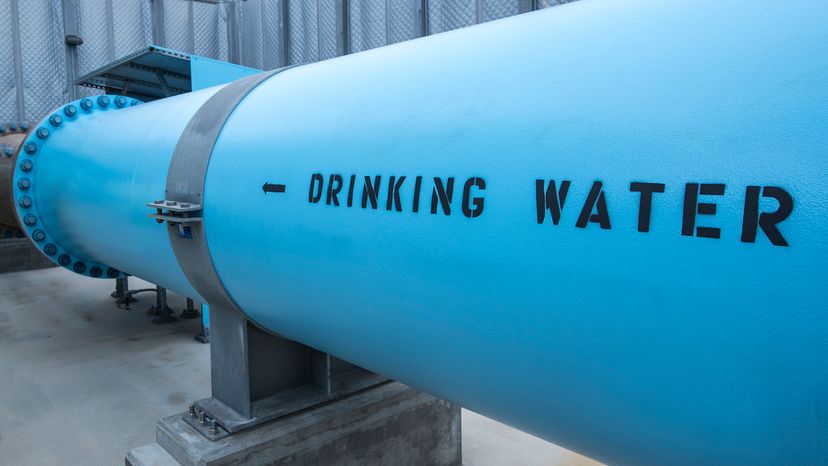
{"x":95,"y":272}
{"x":26,"y":165}
{"x":103,"y":101}
{"x":55,"y":120}
{"x":38,"y":235}
{"x":202,"y":419}
{"x":70,"y":110}
{"x":192,"y":410}
{"x":25,"y":202}
{"x":86,"y":104}
{"x":24,"y":183}
{"x":31,"y":147}
{"x":171,"y":203}
{"x":120,"y":101}
{"x":30,"y":220}
{"x":50,"y":249}
{"x":213,"y":427}
{"x":64,"y":260}
{"x":42,"y":133}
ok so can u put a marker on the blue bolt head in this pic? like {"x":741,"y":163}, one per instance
{"x":9,"y":151}
{"x":26,"y":165}
{"x":25,"y":202}
{"x":64,"y":260}
{"x":120,"y":101}
{"x":24,"y":183}
{"x":112,"y":273}
{"x":50,"y":249}
{"x":42,"y":133}
{"x":70,"y":110}
{"x":38,"y":235}
{"x":79,"y":267}
{"x":12,"y":126}
{"x":86,"y":104}
{"x":55,"y":120}
{"x":24,"y":126}
{"x":103,"y":101}
{"x":2,"y":129}
{"x":134,"y":103}
{"x":31,"y":147}
{"x":30,"y":220}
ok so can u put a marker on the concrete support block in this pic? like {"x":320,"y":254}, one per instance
{"x":391,"y":424}
{"x":18,"y":254}
{"x":150,"y":455}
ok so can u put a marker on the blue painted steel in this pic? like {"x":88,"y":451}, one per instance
{"x":632,"y":347}
{"x":206,"y":72}
{"x":91,"y":178}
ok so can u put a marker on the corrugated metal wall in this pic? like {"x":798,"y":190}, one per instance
{"x":38,"y":68}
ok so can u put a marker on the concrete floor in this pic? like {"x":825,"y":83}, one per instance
{"x":83,"y":382}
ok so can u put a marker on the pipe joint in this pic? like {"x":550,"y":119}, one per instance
{"x":36,"y":145}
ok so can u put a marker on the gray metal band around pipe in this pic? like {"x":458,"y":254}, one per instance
{"x":185,"y":183}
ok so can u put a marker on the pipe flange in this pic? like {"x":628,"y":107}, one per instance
{"x":25,"y":186}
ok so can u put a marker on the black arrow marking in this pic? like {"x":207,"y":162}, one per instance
{"x":273,"y":188}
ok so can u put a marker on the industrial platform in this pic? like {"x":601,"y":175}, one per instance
{"x":84,"y":382}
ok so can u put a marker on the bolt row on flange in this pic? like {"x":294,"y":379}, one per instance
{"x":34,"y":147}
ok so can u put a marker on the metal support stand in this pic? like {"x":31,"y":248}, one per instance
{"x":203,"y":335}
{"x":122,"y":295}
{"x":258,"y":377}
{"x":190,"y":312}
{"x":119,"y":289}
{"x":163,"y":314}
{"x":276,"y":401}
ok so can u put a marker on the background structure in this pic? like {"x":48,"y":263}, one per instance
{"x":38,"y":63}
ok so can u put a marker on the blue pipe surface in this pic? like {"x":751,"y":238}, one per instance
{"x":604,"y":223}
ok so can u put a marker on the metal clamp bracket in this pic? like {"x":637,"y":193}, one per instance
{"x":255,"y":376}
{"x":180,"y":214}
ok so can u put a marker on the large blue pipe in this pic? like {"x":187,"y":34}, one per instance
{"x":663,"y":302}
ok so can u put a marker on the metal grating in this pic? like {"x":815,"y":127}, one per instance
{"x":403,"y":20}
{"x":44,"y":62}
{"x":178,"y":25}
{"x":302,"y":24}
{"x":368,"y":25}
{"x":496,"y":9}
{"x":271,"y":21}
{"x":8,"y":87}
{"x":549,"y":3}
{"x":251,"y":31}
{"x":223,"y":31}
{"x":92,"y":26}
{"x":327,"y":28}
{"x":131,"y":26}
{"x":251,"y":34}
{"x":445,"y":16}
{"x":206,"y":28}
